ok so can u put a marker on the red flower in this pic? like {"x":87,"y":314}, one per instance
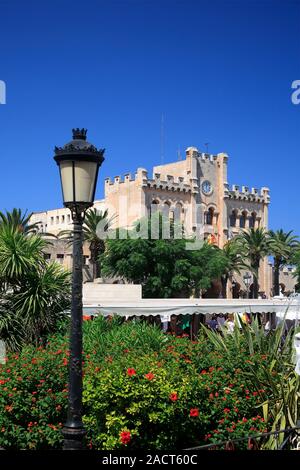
{"x":125,"y":437}
{"x":244,"y":420}
{"x":227,"y":391}
{"x":211,"y":395}
{"x":226,"y":410}
{"x":131,"y":372}
{"x":173,"y":396}
{"x":149,"y":376}
{"x":216,"y":394}
{"x":194,"y":412}
{"x":65,"y":361}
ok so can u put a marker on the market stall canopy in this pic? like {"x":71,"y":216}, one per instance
{"x":147,"y":307}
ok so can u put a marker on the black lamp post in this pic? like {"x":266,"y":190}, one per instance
{"x":247,"y":280}
{"x":78,"y":162}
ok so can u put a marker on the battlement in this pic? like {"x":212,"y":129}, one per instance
{"x":167,"y":183}
{"x":172,"y":183}
{"x":206,"y":157}
{"x":127,"y":178}
{"x":245,"y":193}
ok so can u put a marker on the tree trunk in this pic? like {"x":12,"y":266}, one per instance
{"x":255,"y":282}
{"x":224,"y":280}
{"x":276,"y":277}
{"x":95,"y":262}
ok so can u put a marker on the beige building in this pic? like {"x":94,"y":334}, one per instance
{"x":194,"y":190}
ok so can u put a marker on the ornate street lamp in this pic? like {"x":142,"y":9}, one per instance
{"x":247,"y":280}
{"x":78,"y":162}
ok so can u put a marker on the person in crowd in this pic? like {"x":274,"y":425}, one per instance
{"x":213,"y":323}
{"x":221,"y":321}
{"x":230,"y":324}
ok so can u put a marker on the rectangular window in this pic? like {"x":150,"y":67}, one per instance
{"x":60,"y":258}
{"x":52,"y":220}
{"x":57,"y":219}
{"x":62,"y":219}
{"x":47,"y":256}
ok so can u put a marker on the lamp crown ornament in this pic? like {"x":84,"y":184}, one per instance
{"x":79,"y":145}
{"x":79,"y":134}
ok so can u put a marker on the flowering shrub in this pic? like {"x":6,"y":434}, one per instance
{"x":33,"y":398}
{"x":175,"y":394}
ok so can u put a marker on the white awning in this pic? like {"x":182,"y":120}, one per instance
{"x":168,"y":307}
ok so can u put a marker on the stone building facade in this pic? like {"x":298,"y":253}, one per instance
{"x":194,"y":190}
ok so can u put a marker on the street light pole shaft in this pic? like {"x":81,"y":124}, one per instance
{"x":73,"y":430}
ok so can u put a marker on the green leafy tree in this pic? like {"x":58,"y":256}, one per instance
{"x":296,"y":263}
{"x":255,"y":246}
{"x":164,"y":267}
{"x":282,"y":246}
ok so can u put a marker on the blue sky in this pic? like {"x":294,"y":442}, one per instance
{"x":219,"y":72}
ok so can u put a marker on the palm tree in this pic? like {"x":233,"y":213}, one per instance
{"x":19,"y":254}
{"x":254,"y":244}
{"x":283,"y":246}
{"x":41,"y":300}
{"x":18,"y":221}
{"x":234,"y":262}
{"x":95,"y":222}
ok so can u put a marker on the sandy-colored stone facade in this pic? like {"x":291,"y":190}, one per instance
{"x":194,"y":190}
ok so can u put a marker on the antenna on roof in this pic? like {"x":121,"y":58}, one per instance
{"x":162,"y":139}
{"x":178,"y":153}
{"x":206,"y":145}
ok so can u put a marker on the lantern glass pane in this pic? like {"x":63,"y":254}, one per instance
{"x":66,"y":173}
{"x":85,"y":176}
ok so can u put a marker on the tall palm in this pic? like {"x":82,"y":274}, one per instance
{"x":19,"y":221}
{"x":283,"y":245}
{"x":234,"y":262}
{"x":254,"y":243}
{"x":95,"y":222}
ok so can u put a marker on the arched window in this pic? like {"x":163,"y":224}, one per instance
{"x":154,"y":207}
{"x":252,"y":220}
{"x":179,"y":212}
{"x":243,"y":220}
{"x":232,"y":219}
{"x":166,"y":209}
{"x":209,"y":216}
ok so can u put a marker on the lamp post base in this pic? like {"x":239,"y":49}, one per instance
{"x":73,"y":438}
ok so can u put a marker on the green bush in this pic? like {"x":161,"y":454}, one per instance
{"x":142,"y":390}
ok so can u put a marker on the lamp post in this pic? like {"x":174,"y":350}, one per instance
{"x":78,"y":162}
{"x":247,"y":280}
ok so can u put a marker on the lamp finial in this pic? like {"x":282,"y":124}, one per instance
{"x":79,"y":134}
